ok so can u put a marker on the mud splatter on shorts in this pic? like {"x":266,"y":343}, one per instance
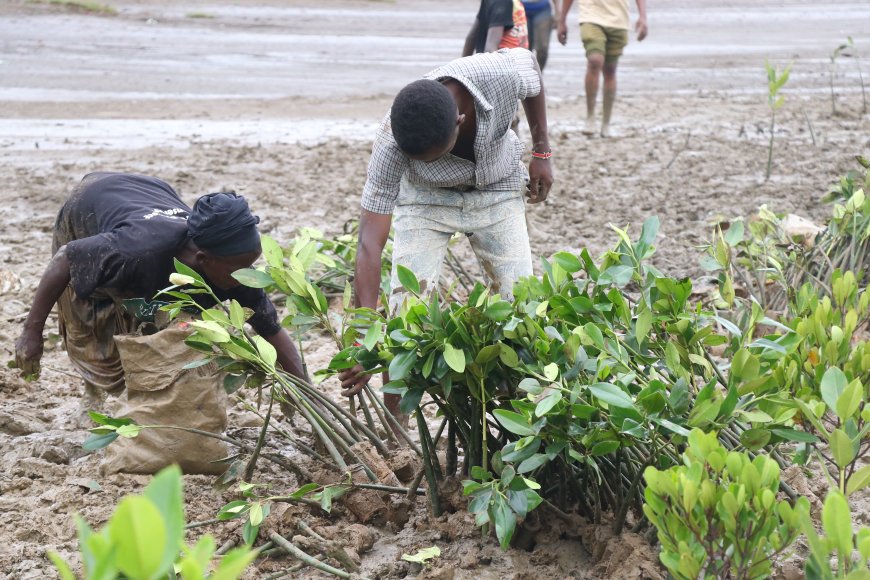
{"x":426,"y":217}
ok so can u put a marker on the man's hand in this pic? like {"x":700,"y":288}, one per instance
{"x":353,"y":380}
{"x":28,"y":352}
{"x":641,"y":28}
{"x":562,"y":32}
{"x":540,"y":179}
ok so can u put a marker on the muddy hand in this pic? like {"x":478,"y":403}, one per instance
{"x":353,"y":380}
{"x":28,"y":352}
{"x":540,"y":180}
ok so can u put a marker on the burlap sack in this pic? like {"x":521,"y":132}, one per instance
{"x":161,"y":392}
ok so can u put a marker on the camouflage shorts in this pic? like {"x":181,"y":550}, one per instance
{"x":426,"y":218}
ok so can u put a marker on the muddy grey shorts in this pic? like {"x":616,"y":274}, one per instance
{"x":426,"y":218}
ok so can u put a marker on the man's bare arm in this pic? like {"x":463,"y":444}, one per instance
{"x":28,"y":347}
{"x":540,"y":171}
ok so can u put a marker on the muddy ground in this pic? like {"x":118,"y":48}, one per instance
{"x":279,"y":101}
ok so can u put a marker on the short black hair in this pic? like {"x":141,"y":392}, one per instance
{"x":423,"y":116}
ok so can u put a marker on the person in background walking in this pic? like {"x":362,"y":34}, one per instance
{"x":604,"y":30}
{"x":498,"y":24}
{"x":541,"y":18}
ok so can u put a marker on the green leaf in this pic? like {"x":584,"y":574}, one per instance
{"x":648,"y":232}
{"x":547,"y":403}
{"x":643,"y":325}
{"x":795,"y":435}
{"x":96,"y":441}
{"x":754,"y":439}
{"x":744,"y":366}
{"x":253,"y":278}
{"x":272,"y":252}
{"x":237,"y":314}
{"x":211,"y":331}
{"x":408,"y":280}
{"x":505,"y":523}
{"x":101,"y":419}
{"x":165,"y":492}
{"x":672,"y":427}
{"x":604,"y":447}
{"x":183,"y":268}
{"x":267,"y":351}
{"x":594,"y":334}
{"x":508,"y":356}
{"x":833,"y":384}
{"x":139,"y":535}
{"x":196,"y":364}
{"x":734,"y":234}
{"x":256,"y":514}
{"x":842,"y":448}
{"x":849,"y":401}
{"x":756,"y":416}
{"x":487,"y":354}
{"x":729,"y":326}
{"x":837,"y":522}
{"x":859,"y":480}
{"x":618,"y":275}
{"x":374,"y":333}
{"x":454,"y":358}
{"x":612,"y":395}
{"x":533,"y":462}
{"x":499,"y":311}
{"x":402,"y":364}
{"x":551,"y":371}
{"x":63,"y":568}
{"x":567,"y":261}
{"x":304,"y":490}
{"x":423,"y":556}
{"x":234,"y":563}
{"x":249,"y":533}
{"x":233,"y":510}
{"x":530,"y":385}
{"x":513,"y":422}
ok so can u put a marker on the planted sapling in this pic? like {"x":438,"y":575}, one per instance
{"x":775,"y":81}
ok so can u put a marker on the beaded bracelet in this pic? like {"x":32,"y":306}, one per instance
{"x":545,"y":155}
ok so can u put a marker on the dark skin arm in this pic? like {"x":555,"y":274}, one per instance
{"x":288,"y":356}
{"x":374,"y":228}
{"x":540,"y":171}
{"x":493,"y":38}
{"x":468,"y":48}
{"x":28,"y":347}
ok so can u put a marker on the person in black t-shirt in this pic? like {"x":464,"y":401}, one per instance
{"x":498,"y":24}
{"x":116,"y":238}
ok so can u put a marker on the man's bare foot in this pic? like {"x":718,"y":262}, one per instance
{"x":606,"y":132}
{"x":589,"y":127}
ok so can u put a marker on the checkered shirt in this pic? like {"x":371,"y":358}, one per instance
{"x":496,"y":80}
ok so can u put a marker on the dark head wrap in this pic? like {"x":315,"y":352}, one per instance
{"x":222,"y":224}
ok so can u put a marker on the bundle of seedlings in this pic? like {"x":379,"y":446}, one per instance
{"x":220,"y":334}
{"x":566,"y":394}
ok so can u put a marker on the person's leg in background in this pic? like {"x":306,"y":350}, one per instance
{"x":594,"y":41}
{"x":540,"y":30}
{"x":616,"y":41}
